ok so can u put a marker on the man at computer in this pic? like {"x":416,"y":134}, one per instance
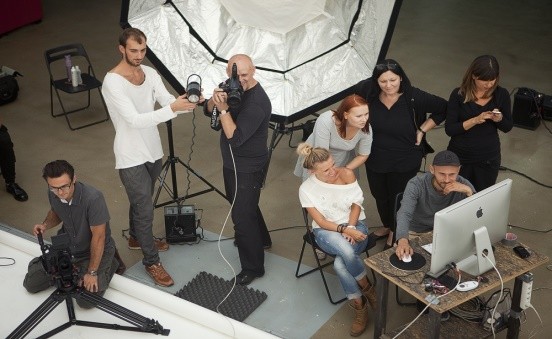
{"x":427,"y":194}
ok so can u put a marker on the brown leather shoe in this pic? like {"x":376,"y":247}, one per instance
{"x":159,"y":275}
{"x":133,"y":244}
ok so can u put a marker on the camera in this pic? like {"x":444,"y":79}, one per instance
{"x":233,"y":88}
{"x":58,"y":261}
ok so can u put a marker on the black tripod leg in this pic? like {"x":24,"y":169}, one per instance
{"x":213,"y":188}
{"x":141,"y":323}
{"x":278,"y":132}
{"x":162,"y":183}
{"x":37,"y":316}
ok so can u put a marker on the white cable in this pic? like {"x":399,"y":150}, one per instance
{"x":531,"y":334}
{"x":427,"y":306}
{"x":219,"y":239}
{"x":493,"y":319}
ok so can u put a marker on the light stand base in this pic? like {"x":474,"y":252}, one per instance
{"x":170,"y":163}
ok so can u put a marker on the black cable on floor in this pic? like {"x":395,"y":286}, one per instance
{"x":502,"y":168}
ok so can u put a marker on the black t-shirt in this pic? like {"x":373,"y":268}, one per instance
{"x":249,"y":142}
{"x":393,"y":145}
{"x":481,"y":142}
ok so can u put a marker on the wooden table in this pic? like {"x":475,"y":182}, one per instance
{"x":508,"y":264}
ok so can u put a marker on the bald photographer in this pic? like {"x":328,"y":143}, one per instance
{"x":244,"y":113}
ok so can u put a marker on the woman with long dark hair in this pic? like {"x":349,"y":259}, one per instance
{"x":476,"y":111}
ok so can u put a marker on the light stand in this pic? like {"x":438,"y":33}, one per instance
{"x":170,"y":163}
{"x":141,"y":323}
{"x":279,"y":129}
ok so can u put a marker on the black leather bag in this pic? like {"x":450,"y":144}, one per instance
{"x":8,"y":89}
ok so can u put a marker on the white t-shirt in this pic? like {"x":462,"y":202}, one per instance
{"x":131,"y":108}
{"x":332,"y":201}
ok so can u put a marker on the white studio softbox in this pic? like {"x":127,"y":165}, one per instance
{"x":308,"y":53}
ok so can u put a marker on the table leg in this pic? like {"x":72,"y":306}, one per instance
{"x":382,"y":289}
{"x":434,"y":319}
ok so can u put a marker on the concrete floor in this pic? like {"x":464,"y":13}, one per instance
{"x":434,"y":41}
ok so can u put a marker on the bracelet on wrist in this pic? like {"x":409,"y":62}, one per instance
{"x":421,"y":130}
{"x":93,"y":273}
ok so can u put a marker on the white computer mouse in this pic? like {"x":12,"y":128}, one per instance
{"x":406,"y":258}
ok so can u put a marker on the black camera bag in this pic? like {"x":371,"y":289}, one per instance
{"x":8,"y":89}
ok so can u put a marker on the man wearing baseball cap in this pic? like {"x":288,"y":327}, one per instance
{"x":427,"y":194}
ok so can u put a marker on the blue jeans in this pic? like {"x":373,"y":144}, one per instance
{"x":348,"y":265}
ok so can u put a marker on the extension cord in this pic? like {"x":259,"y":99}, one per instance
{"x":526,"y":289}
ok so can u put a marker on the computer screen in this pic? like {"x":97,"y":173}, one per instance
{"x":481,"y":218}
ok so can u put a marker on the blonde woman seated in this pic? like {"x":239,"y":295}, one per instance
{"x":334,"y":199}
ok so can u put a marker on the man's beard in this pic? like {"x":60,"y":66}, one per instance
{"x":132,"y":62}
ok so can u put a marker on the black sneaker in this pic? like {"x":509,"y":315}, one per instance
{"x":18,"y":193}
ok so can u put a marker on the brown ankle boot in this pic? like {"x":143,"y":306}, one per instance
{"x":360,"y":320}
{"x":370,"y":293}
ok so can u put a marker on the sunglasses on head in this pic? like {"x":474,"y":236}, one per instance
{"x":386,"y":67}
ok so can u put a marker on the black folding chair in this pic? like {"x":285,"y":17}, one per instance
{"x":308,"y":238}
{"x":59,"y":82}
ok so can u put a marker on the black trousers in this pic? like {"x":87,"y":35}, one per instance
{"x":7,"y":156}
{"x":249,"y":225}
{"x":384,"y":188}
{"x":482,"y":174}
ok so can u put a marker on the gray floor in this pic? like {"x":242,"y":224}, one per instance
{"x":434,"y":41}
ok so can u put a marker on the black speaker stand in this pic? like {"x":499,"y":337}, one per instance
{"x":141,"y":323}
{"x":170,"y":163}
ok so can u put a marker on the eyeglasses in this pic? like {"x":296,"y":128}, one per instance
{"x":386,"y":67}
{"x":63,"y":188}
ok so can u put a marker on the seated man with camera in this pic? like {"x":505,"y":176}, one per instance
{"x":85,"y":217}
{"x":242,"y":108}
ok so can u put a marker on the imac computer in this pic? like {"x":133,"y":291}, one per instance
{"x":463,"y":232}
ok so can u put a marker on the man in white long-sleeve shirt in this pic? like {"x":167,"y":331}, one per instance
{"x":131,"y":90}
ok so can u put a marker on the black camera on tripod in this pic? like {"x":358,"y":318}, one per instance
{"x":58,"y":261}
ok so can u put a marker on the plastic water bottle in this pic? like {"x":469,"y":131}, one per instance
{"x":68,"y":65}
{"x":74,"y":77}
{"x":79,"y":75}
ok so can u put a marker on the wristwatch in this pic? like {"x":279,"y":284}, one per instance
{"x":223,"y":112}
{"x":93,"y":273}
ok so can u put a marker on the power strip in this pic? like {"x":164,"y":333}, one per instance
{"x":526,"y":288}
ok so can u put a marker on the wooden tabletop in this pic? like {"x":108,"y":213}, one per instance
{"x":507,"y":262}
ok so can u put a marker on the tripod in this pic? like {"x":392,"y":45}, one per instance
{"x":141,"y":323}
{"x":170,"y":163}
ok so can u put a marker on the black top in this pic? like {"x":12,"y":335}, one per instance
{"x":87,"y":209}
{"x":394,"y":146}
{"x":481,"y":142}
{"x":249,"y":142}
